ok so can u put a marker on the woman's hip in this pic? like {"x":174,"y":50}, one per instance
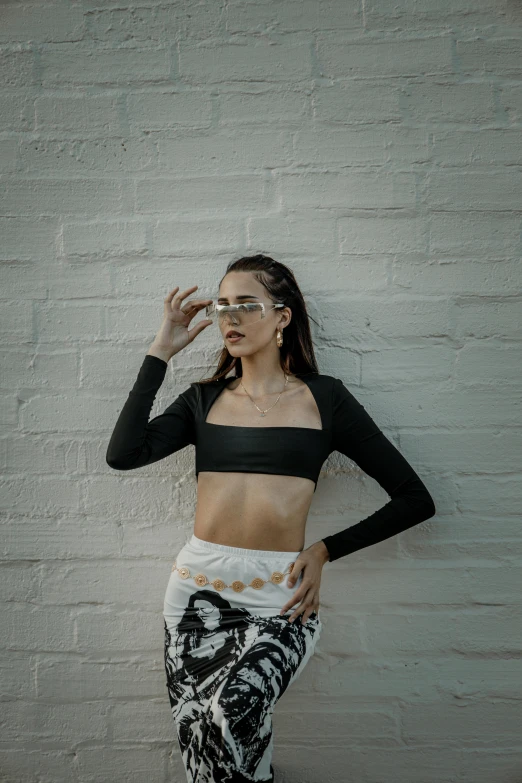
{"x":207,"y":577}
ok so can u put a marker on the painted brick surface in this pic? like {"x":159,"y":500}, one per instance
{"x":375,"y":147}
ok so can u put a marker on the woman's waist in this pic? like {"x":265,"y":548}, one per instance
{"x":252,"y":534}
{"x":252,"y":511}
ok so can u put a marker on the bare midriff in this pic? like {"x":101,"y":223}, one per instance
{"x":257,"y":510}
{"x":253,"y":510}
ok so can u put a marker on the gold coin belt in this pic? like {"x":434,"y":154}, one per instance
{"x":257,"y":583}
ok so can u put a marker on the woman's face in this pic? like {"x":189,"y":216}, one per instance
{"x":240,"y":287}
{"x":209,"y":613}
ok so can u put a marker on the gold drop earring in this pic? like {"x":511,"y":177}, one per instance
{"x":279,"y":338}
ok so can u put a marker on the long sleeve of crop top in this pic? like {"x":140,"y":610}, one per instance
{"x":135,"y":440}
{"x":356,"y":435}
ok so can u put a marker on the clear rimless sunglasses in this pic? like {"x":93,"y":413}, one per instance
{"x":247,"y":312}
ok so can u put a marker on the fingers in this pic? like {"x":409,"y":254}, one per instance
{"x":294,"y":575}
{"x":307,"y":594}
{"x":304,"y":590}
{"x":309,"y":604}
{"x":314,"y":607}
{"x":194,"y":306}
{"x":175,"y":297}
{"x":192,"y":333}
{"x":170,"y":294}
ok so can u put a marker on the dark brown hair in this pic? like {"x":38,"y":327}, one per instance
{"x":297,"y":352}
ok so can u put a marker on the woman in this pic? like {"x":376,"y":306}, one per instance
{"x":237,"y":634}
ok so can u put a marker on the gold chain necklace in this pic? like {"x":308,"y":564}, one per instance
{"x":264,"y":412}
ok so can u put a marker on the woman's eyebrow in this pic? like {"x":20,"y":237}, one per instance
{"x":240,"y":296}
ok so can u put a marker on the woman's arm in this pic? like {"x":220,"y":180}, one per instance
{"x":135,"y":441}
{"x":356,"y":435}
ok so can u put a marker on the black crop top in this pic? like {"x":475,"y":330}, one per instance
{"x":294,"y":451}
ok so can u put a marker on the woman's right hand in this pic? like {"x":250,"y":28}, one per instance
{"x":174,"y":334}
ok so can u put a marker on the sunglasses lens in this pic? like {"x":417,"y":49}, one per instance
{"x":244,"y":313}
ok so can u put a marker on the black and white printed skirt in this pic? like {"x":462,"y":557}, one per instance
{"x":230,"y":655}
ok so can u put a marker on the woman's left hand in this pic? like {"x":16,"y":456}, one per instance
{"x":312,"y":561}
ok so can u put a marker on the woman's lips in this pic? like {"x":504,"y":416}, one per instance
{"x":235,"y":338}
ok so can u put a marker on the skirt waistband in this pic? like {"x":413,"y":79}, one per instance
{"x":236,"y":551}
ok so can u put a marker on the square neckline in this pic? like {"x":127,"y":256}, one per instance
{"x":303,"y":377}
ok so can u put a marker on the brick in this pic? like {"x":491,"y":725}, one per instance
{"x":238,"y":152}
{"x":102,"y":239}
{"x":17,"y":110}
{"x":39,"y":629}
{"x":421,"y":14}
{"x":122,"y":584}
{"x":78,"y":679}
{"x":487,"y":319}
{"x":80,"y":157}
{"x":26,"y":239}
{"x":19,"y":766}
{"x":357,"y":190}
{"x":370,"y":59}
{"x":474,"y":278}
{"x":67,"y":721}
{"x":39,"y":538}
{"x":244,"y":106}
{"x":47,"y":197}
{"x":210,"y":64}
{"x":433,"y":103}
{"x":501,"y":56}
{"x":489,"y":147}
{"x":477,"y":364}
{"x":61,"y":321}
{"x":8,"y":155}
{"x":16,"y":66}
{"x":132,"y":764}
{"x":43,"y":495}
{"x":477,"y":234}
{"x":293,"y":16}
{"x":78,"y":114}
{"x":168,"y":195}
{"x":369,"y":146}
{"x":154,"y":727}
{"x":49,"y":22}
{"x":346,"y":101}
{"x":157,"y":110}
{"x":510,"y":98}
{"x":150,"y":23}
{"x":483,"y":190}
{"x":374,"y":234}
{"x":176,"y":237}
{"x":89,"y":65}
{"x":122,"y":632}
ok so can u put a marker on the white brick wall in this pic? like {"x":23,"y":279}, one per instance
{"x":374,"y":146}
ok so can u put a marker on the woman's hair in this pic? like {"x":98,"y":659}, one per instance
{"x":297,"y":352}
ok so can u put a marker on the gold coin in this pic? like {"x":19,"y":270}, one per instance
{"x":237,"y":586}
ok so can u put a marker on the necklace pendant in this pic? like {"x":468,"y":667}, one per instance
{"x":263,"y":414}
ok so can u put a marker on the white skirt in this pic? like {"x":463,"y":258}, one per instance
{"x":230,"y":656}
